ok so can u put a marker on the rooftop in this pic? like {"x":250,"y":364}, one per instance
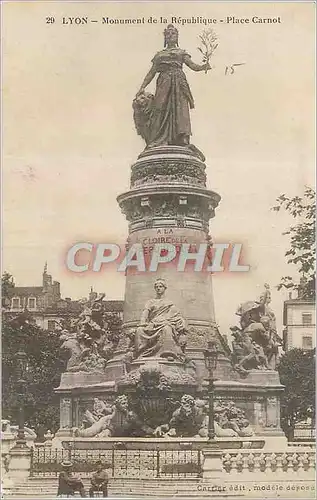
{"x":299,"y":301}
{"x":24,"y":291}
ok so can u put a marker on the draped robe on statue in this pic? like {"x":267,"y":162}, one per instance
{"x":170,"y":121}
{"x":161,"y":331}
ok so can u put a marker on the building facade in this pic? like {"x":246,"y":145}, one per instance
{"x":35,"y":298}
{"x":299,"y":318}
{"x":46,"y":304}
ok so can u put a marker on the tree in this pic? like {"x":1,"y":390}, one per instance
{"x":297,"y":373}
{"x":7,"y":287}
{"x":302,"y":241}
{"x":45,"y":365}
{"x":43,"y":373}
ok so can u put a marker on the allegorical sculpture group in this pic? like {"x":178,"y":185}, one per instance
{"x":162,"y":332}
{"x":87,"y":340}
{"x":256,"y":342}
{"x":190,"y":418}
{"x":163,"y":119}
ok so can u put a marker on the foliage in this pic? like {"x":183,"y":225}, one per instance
{"x":209,"y":43}
{"x":7,"y":286}
{"x":297,"y":372}
{"x":42,"y":376}
{"x":302,"y":241}
{"x":45,"y":365}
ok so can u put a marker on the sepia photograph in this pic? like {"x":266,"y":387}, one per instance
{"x":158,"y":250}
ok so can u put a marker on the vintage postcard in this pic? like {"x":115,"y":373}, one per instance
{"x":158,"y":270}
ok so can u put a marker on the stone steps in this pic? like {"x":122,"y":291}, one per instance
{"x":47,"y":488}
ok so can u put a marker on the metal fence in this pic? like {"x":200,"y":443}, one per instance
{"x":120,"y":462}
{"x":304,"y":433}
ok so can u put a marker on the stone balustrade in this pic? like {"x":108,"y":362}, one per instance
{"x":296,"y":461}
{"x":243,"y":468}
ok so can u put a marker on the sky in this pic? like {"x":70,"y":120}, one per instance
{"x":69,"y":138}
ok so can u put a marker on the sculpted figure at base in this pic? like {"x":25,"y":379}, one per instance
{"x":122,"y":421}
{"x":100,"y":409}
{"x":230,"y":418}
{"x":185,"y":421}
{"x":247,"y":354}
{"x":161,"y":331}
{"x":255,"y":344}
{"x":72,"y":349}
{"x":164,"y":118}
{"x":191,"y":419}
{"x":86,"y":339}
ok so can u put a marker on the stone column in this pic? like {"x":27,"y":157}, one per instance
{"x":7,"y":442}
{"x":212,"y":465}
{"x":66,"y":423}
{"x":169,"y":203}
{"x":272,"y":412}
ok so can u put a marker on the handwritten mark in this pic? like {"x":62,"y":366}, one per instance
{"x":231,"y":68}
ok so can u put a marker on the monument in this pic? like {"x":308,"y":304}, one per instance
{"x":150,"y":381}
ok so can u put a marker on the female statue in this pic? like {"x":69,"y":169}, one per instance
{"x":164,"y":118}
{"x":162,"y":328}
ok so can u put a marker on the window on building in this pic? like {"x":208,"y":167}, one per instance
{"x":307,"y":342}
{"x":51,"y":325}
{"x":307,"y":318}
{"x":16,"y":303}
{"x":31,"y":303}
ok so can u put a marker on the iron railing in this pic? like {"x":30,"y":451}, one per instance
{"x":120,"y":462}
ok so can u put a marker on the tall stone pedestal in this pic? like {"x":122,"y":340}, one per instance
{"x":169,"y":203}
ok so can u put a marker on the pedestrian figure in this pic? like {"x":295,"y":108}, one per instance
{"x":99,"y":481}
{"x":68,"y":484}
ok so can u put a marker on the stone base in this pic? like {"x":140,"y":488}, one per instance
{"x":62,"y":433}
{"x":20,"y":463}
{"x":77,"y":392}
{"x":212,"y":464}
{"x":259,"y":396}
{"x":234,"y":443}
{"x":71,"y":381}
{"x":261,"y":378}
{"x":178,"y":375}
